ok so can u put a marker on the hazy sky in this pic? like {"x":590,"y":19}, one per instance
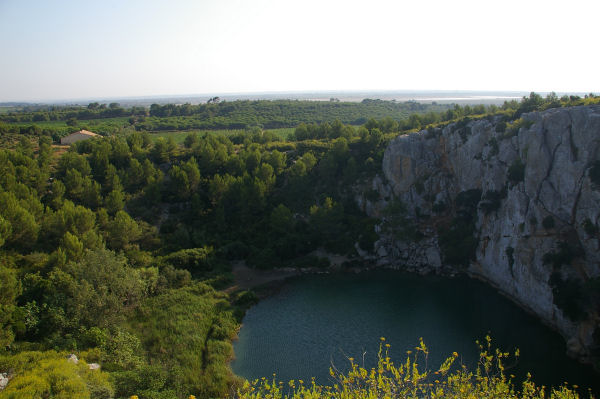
{"x":93,"y":49}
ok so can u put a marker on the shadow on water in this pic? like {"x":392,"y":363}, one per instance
{"x":317,"y":321}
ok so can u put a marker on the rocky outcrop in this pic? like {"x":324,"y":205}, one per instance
{"x":4,"y":379}
{"x":535,"y":217}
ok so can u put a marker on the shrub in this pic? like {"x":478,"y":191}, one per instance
{"x":50,"y":375}
{"x":548,"y":222}
{"x":493,"y":143}
{"x":439,"y":207}
{"x":501,"y":127}
{"x":458,"y":244}
{"x":410,"y":380}
{"x":533,"y":221}
{"x":419,"y":186}
{"x":510,"y":251}
{"x":516,"y":171}
{"x":594,"y":173}
{"x":464,"y":133}
{"x":468,"y":200}
{"x":564,"y":256}
{"x":590,"y":228}
{"x":513,"y":128}
{"x":492,"y":200}
{"x":194,"y":259}
{"x":567,"y":295}
{"x":372,"y":195}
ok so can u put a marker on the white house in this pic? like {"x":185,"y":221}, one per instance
{"x":77,"y":136}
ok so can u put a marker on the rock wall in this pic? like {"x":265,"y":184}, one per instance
{"x":538,"y":217}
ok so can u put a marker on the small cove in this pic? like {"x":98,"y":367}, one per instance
{"x":315,"y":321}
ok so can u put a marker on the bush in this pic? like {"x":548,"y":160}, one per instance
{"x":50,"y":375}
{"x":372,"y":195}
{"x":493,"y":143}
{"x":492,"y":200}
{"x":548,"y":222}
{"x":594,"y":173}
{"x":567,"y":295}
{"x":564,"y":256}
{"x":439,"y":207}
{"x":510,"y":251}
{"x":501,"y":127}
{"x":516,"y":171}
{"x":513,"y":128}
{"x":590,"y":228}
{"x":458,"y":244}
{"x":410,"y":379}
{"x":468,"y":200}
{"x":194,"y":260}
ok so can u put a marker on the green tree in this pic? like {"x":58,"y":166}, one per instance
{"x":19,"y":224}
{"x":122,"y":231}
{"x":281,"y":220}
{"x":277,"y":160}
{"x":161,"y":151}
{"x":10,"y":289}
{"x":98,"y":288}
{"x":72,"y":160}
{"x":5,"y":230}
{"x":72,"y":246}
{"x":115,"y":201}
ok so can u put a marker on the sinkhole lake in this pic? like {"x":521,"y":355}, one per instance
{"x":316,"y":321}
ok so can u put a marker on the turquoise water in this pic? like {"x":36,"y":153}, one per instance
{"x":318,"y":321}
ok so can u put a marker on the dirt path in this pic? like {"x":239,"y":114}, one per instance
{"x":245,"y":278}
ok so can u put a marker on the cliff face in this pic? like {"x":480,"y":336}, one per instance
{"x":534,"y":216}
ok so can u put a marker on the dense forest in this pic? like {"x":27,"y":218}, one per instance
{"x":119,"y":249}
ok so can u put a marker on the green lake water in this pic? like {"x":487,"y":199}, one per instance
{"x":316,"y":321}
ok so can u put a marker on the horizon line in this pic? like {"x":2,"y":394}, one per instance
{"x":78,"y":100}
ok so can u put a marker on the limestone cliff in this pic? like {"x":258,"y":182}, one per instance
{"x":535,"y":208}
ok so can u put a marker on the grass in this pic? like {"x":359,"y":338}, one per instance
{"x":179,"y":136}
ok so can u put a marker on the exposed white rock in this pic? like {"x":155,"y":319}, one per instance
{"x":557,"y":147}
{"x":94,"y":366}
{"x":4,"y":379}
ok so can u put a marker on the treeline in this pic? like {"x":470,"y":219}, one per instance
{"x":511,"y":111}
{"x":230,"y":115}
{"x":274,"y":114}
{"x":56,"y":113}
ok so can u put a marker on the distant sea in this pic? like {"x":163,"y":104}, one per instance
{"x":424,"y":96}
